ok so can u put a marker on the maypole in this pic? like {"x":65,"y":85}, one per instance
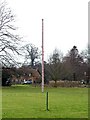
{"x":42,"y":55}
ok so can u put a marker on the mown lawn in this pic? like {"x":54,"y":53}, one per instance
{"x":28,"y":102}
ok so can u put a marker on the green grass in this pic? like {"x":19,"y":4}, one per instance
{"x":29,"y":102}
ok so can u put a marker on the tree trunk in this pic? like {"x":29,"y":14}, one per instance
{"x":32,"y":63}
{"x":55,"y":85}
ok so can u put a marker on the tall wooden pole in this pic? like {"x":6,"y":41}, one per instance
{"x":88,"y":69}
{"x":42,"y":55}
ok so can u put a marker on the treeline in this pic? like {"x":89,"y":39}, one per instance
{"x":71,"y":67}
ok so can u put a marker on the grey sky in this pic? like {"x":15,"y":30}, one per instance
{"x":65,"y":23}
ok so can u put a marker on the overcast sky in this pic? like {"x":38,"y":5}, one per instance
{"x":65,"y":23}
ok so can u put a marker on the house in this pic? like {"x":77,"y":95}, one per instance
{"x":25,"y":73}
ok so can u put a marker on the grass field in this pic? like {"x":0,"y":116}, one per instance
{"x":28,"y":102}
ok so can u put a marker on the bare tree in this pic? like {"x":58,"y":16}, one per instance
{"x":55,"y":65}
{"x":31,"y":54}
{"x":8,"y":40}
{"x":74,"y":65}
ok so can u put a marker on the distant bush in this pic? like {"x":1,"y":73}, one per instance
{"x":6,"y":81}
{"x":66,"y":83}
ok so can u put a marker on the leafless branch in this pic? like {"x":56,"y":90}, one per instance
{"x":8,"y":40}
